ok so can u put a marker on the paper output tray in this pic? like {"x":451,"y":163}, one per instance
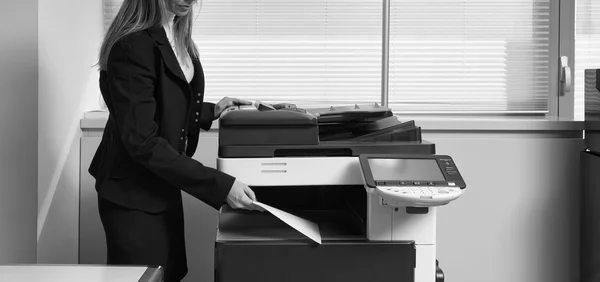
{"x":328,"y":148}
{"x":334,"y":225}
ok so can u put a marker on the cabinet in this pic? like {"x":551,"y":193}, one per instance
{"x":200,"y":219}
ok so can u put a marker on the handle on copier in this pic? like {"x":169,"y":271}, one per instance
{"x":598,"y":79}
{"x":439,"y":273}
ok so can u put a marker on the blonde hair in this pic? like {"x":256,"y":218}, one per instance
{"x":137,"y":15}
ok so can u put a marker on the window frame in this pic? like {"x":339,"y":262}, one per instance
{"x":558,"y":105}
{"x":564,"y":104}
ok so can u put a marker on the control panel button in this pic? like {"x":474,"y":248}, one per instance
{"x":451,"y":183}
{"x":431,"y":183}
{"x":416,"y":183}
{"x":382,"y":183}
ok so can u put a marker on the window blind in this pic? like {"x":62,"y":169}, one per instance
{"x":310,"y":52}
{"x":470,"y":56}
{"x":110,"y":9}
{"x":313,"y":53}
{"x":457,"y":56}
{"x":587,"y":47}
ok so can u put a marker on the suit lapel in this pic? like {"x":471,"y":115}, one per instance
{"x":197,"y":83}
{"x":159,"y":35}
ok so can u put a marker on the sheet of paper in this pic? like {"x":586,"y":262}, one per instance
{"x":306,"y":227}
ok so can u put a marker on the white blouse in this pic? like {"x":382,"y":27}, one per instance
{"x":185,"y":61}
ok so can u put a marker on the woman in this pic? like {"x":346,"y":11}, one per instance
{"x":153,"y":85}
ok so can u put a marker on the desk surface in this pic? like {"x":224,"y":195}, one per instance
{"x":76,"y":273}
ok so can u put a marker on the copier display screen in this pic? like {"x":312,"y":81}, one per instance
{"x":406,"y":169}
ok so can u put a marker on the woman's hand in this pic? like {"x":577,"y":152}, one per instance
{"x":228,"y":102}
{"x":284,"y":106}
{"x":242,"y":197}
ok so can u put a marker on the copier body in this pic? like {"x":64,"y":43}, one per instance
{"x":364,"y":239}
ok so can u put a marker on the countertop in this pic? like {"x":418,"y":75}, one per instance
{"x":97,"y":120}
{"x":76,"y":273}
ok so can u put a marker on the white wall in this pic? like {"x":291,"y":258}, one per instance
{"x":70,"y":33}
{"x":18,"y":130}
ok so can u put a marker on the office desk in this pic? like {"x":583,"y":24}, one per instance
{"x":77,"y":273}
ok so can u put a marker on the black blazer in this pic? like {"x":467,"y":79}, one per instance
{"x":142,"y":161}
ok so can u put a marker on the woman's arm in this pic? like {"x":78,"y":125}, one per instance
{"x":131,"y":75}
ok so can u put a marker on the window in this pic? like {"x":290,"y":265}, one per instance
{"x":470,"y":56}
{"x":587,"y":47}
{"x":445,"y":56}
{"x":310,"y":52}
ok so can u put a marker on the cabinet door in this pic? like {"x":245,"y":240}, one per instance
{"x":92,"y":243}
{"x":201,"y":219}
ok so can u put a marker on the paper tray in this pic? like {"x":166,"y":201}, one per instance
{"x":350,"y":261}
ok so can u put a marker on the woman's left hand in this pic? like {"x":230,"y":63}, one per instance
{"x":228,"y":102}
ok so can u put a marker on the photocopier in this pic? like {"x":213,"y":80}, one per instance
{"x":365,"y":178}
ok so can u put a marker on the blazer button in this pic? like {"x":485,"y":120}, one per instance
{"x":196,"y":120}
{"x":199,"y":94}
{"x":182,"y":130}
{"x":181,"y":138}
{"x":197,"y":113}
{"x":198,"y":101}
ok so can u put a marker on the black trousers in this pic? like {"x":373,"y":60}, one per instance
{"x":135,"y":237}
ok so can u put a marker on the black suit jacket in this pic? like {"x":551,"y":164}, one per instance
{"x":142,"y":161}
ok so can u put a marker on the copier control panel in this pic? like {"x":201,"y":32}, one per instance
{"x":413,"y":180}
